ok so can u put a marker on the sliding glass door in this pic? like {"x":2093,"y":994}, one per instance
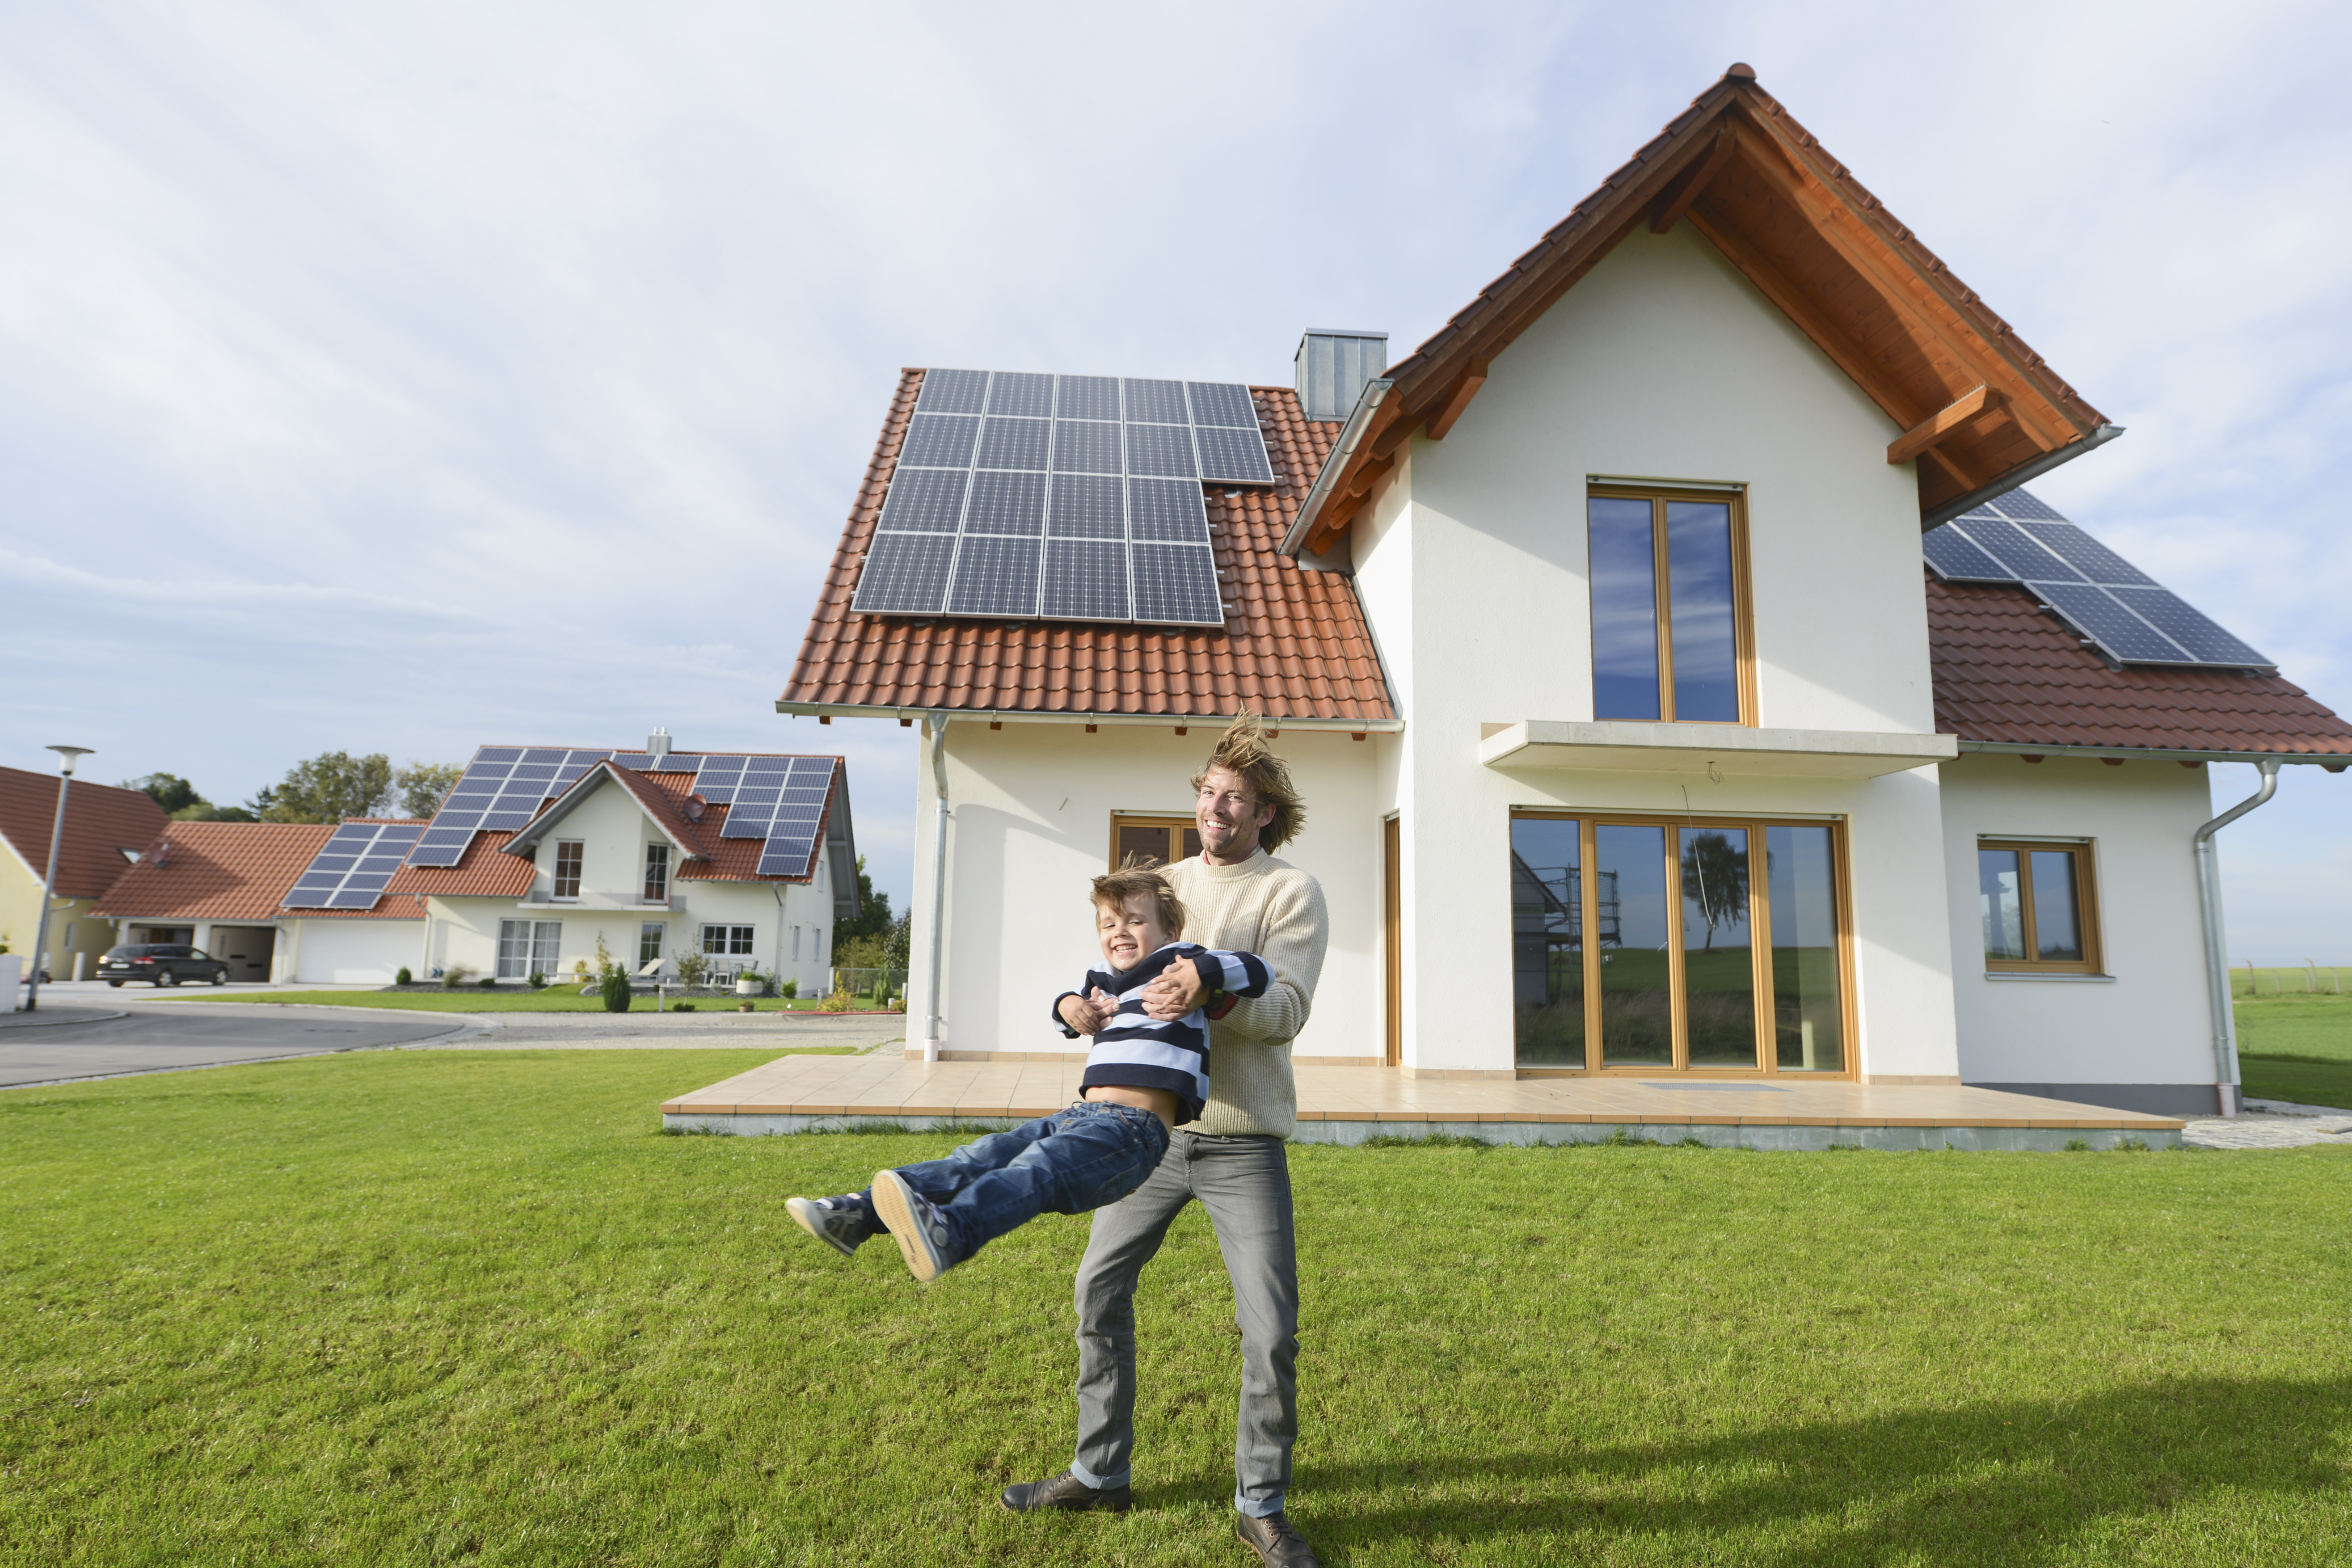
{"x":1710,"y":947}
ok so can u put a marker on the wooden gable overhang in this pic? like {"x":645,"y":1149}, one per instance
{"x":1978,"y":410}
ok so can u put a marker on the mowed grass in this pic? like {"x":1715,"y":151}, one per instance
{"x":558,"y":998}
{"x":426,"y":1307}
{"x":2296,"y":1047}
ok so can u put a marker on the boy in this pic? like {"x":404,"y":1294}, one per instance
{"x":1144,"y":1078}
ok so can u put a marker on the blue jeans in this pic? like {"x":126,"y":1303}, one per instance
{"x":1096,"y":1152}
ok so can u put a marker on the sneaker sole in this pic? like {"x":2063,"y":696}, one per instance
{"x":804,"y":1211}
{"x":894,"y":1201}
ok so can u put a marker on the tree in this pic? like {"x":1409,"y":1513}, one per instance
{"x":1714,"y":877}
{"x":873,"y":916}
{"x":170,"y":791}
{"x":329,"y":787}
{"x":422,"y":786}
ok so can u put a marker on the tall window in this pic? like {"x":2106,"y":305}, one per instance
{"x":657,"y":873}
{"x":732,"y":941}
{"x":1153,"y":840}
{"x":567,"y":868}
{"x":649,"y":940}
{"x":528,"y":947}
{"x":1674,"y":946}
{"x":2036,"y":904}
{"x":1670,"y":616}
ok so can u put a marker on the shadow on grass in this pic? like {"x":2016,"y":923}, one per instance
{"x":2022,"y":1481}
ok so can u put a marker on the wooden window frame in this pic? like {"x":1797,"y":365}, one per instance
{"x":1175,"y":828}
{"x":1743,"y":608}
{"x":1760,"y":926}
{"x":2086,"y":906}
{"x":657,"y":873}
{"x":568,"y":856}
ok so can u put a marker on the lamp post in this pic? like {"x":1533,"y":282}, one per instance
{"x":50,"y":883}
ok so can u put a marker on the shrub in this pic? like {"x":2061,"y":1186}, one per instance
{"x":616,"y":992}
{"x":488,"y":981}
{"x":839,"y":1002}
{"x":538,"y":981}
{"x":692,"y":969}
{"x":789,"y":988}
{"x":402,"y":978}
{"x":681,"y":1007}
{"x":457,"y":975}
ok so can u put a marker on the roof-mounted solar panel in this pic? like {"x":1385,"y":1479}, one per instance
{"x":993,"y":463}
{"x":2020,"y":539}
{"x":353,"y":867}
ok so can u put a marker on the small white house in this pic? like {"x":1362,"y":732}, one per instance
{"x":542,"y":860}
{"x":1640,"y":732}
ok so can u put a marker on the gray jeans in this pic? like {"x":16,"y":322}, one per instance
{"x":1244,"y":1184}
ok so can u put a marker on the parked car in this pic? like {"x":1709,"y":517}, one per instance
{"x":163,"y":963}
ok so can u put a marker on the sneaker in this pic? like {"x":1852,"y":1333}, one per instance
{"x":839,"y":1222}
{"x":915,"y":1224}
{"x":1274,"y":1540}
{"x":1067,"y":1493}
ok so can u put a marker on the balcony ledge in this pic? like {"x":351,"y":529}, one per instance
{"x":1628,"y":746}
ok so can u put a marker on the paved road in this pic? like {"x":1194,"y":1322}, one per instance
{"x":163,"y":1037}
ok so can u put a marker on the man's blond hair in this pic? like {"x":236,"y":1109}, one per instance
{"x":1113,"y":889}
{"x":1243,"y":751}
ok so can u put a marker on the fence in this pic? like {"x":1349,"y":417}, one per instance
{"x":2310,"y":980}
{"x":873,"y":985}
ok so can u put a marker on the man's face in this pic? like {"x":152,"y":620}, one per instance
{"x":1229,"y":815}
{"x":1130,"y":934}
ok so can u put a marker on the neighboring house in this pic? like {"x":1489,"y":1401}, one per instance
{"x":538,"y":856}
{"x":1635,"y":738}
{"x":106,"y":828}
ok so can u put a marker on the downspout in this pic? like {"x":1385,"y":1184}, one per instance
{"x":778,"y":889}
{"x":939,"y":723}
{"x":2217,"y":963}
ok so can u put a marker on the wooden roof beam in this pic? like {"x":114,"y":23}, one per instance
{"x":1457,"y":401}
{"x":1943,"y":423}
{"x":1961,"y":473}
{"x":1678,"y":198}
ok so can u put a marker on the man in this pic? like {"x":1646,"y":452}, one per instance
{"x":1238,"y":897}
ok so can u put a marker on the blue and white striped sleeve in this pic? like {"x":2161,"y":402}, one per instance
{"x":1242,"y":973}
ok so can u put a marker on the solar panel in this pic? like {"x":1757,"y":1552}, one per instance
{"x":353,"y":867}
{"x":2020,"y":538}
{"x":1007,"y":457}
{"x":499,"y":792}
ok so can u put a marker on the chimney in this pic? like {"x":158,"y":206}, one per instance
{"x":1333,"y":366}
{"x":658,"y":746}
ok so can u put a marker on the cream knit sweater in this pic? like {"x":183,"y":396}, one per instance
{"x":1275,"y":911}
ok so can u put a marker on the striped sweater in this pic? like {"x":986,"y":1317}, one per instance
{"x":1138,"y":1051}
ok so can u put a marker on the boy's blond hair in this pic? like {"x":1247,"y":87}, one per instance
{"x":1243,"y":751}
{"x":1113,"y":889}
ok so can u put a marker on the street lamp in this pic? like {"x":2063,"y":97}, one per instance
{"x":50,"y":883}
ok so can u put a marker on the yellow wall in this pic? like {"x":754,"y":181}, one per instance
{"x":20,"y":908}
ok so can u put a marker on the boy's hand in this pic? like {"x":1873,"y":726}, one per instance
{"x":1089,"y":1015}
{"x":1177,"y":991}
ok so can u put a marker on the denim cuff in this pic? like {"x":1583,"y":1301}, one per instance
{"x":1085,"y":1477}
{"x":1255,"y":1510}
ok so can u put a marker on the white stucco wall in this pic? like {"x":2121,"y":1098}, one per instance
{"x":1664,"y":363}
{"x":349,"y":952}
{"x":1033,"y":804}
{"x":2149,"y":1024}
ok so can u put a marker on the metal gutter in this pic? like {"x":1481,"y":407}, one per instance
{"x":2333,"y":762}
{"x":2217,"y":962}
{"x":1033,"y":716}
{"x":1352,"y":436}
{"x":2017,"y":476}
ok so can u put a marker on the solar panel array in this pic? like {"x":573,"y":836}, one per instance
{"x":1060,"y":498}
{"x":779,"y":799}
{"x":351,"y":870}
{"x":2131,"y":616}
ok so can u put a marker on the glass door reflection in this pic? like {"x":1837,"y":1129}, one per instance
{"x":1548,"y":942}
{"x":1718,"y":958}
{"x":1637,"y":1011}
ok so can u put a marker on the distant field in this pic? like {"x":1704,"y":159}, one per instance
{"x":2296,"y":1047}
{"x":2329,"y":980}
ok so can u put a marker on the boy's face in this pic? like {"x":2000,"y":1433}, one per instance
{"x":1131,"y":934}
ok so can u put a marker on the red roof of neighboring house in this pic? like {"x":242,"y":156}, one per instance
{"x":227,"y":871}
{"x":1295,"y":644}
{"x":2005,"y":672}
{"x":101,"y":822}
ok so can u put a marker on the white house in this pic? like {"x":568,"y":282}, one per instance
{"x":540,"y":861}
{"x":1638,"y":736}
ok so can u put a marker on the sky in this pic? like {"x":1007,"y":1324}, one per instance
{"x":406,"y":378}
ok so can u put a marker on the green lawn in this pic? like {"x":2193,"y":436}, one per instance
{"x":2296,"y":1047}
{"x":564,"y":998}
{"x":423,"y":1307}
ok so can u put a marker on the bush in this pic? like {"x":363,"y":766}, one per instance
{"x":616,"y":992}
{"x":538,"y":981}
{"x":692,"y":969}
{"x":457,"y":975}
{"x":681,"y":1006}
{"x":402,"y":978}
{"x":488,"y":981}
{"x":839,"y":1002}
{"x":789,"y":988}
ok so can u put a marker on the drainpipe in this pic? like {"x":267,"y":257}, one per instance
{"x":2216,"y":971}
{"x":939,"y":723}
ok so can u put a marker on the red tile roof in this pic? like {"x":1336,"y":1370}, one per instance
{"x":481,"y":872}
{"x":1295,"y":644}
{"x":227,"y":871}
{"x":2005,"y":672}
{"x":101,"y":822}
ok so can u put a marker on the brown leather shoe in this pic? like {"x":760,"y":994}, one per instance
{"x":1276,"y":1542}
{"x":1069,"y":1494}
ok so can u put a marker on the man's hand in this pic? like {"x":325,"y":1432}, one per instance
{"x":1089,"y":1015}
{"x":1177,"y":991}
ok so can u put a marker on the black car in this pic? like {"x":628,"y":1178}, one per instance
{"x":165,"y":963}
